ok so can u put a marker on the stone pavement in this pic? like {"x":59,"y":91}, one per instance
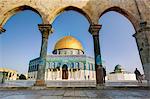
{"x":91,"y":83}
{"x":76,"y":93}
{"x":74,"y":90}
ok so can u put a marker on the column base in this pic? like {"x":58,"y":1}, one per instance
{"x":99,"y":76}
{"x":147,"y":73}
{"x":100,"y":86}
{"x":40,"y":83}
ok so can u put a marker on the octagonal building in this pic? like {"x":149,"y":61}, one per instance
{"x":67,"y":62}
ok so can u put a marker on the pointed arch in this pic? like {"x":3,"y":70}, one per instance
{"x":15,"y":10}
{"x":68,"y":8}
{"x":129,"y":16}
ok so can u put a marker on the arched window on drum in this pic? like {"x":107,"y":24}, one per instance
{"x":53,"y":64}
{"x":89,"y":66}
{"x":81,"y":65}
{"x":72,"y":65}
{"x":77,"y":65}
{"x":92,"y":67}
{"x":58,"y":64}
{"x":84,"y":66}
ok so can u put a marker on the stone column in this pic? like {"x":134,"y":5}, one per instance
{"x":45,"y":31}
{"x":143,"y":41}
{"x":94,"y":30}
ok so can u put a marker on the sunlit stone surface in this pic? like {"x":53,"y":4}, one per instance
{"x":75,"y":94}
{"x":79,"y":83}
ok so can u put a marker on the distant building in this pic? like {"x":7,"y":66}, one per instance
{"x":8,"y":74}
{"x":68,"y":62}
{"x":120,"y":74}
{"x":26,"y":75}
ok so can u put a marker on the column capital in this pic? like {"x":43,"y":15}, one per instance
{"x":144,"y":26}
{"x":45,"y":29}
{"x":94,"y":29}
{"x":2,"y":29}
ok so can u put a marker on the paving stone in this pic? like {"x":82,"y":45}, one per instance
{"x":51,"y":97}
{"x":69,"y":93}
{"x":22,"y":97}
{"x":69,"y":97}
{"x":76,"y":94}
{"x":91,"y":93}
{"x":59,"y":92}
{"x":80,"y":93}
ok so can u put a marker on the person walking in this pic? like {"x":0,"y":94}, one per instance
{"x":138,"y":75}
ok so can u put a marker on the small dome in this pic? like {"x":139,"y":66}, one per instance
{"x":118,"y":68}
{"x":68,"y":42}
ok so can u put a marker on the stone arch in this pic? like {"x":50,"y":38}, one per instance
{"x":68,"y":8}
{"x":15,"y":10}
{"x":129,"y":16}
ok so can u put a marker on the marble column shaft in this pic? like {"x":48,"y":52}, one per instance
{"x":94,"y":30}
{"x":45,"y":31}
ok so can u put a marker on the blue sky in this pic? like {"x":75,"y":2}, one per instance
{"x":22,"y":40}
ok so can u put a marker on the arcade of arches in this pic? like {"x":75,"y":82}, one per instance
{"x":137,"y":11}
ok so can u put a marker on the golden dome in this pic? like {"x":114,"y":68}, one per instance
{"x":68,"y":42}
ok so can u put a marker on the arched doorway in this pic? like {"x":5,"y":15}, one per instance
{"x":65,"y":72}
